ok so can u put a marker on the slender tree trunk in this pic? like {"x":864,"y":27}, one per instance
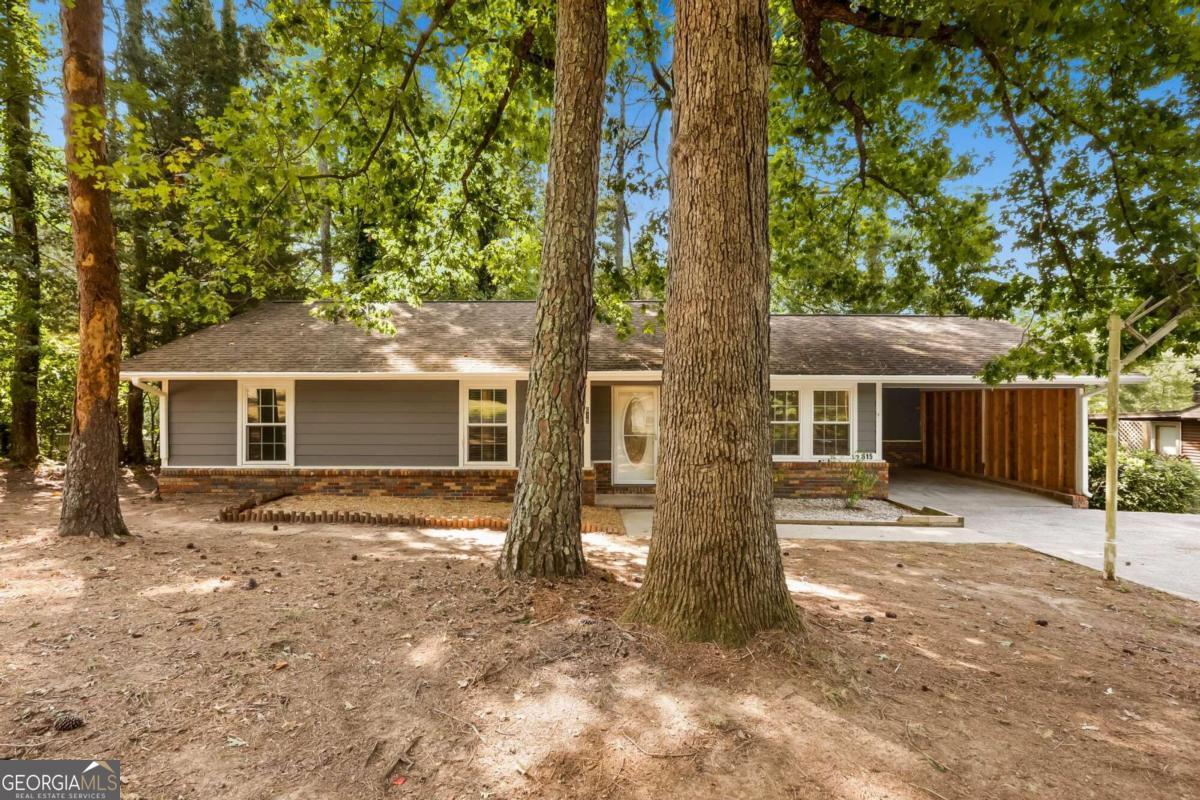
{"x":135,"y":445}
{"x":134,"y":59}
{"x":544,"y":534}
{"x":90,"y":503}
{"x":326,"y":231}
{"x":714,"y":570}
{"x":20,"y":87}
{"x":620,"y":210}
{"x":135,"y":442}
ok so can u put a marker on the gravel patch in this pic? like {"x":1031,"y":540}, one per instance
{"x":835,"y":508}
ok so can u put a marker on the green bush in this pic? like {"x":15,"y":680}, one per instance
{"x":859,"y":481}
{"x":1146,"y":481}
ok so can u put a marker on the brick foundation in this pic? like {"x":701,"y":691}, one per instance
{"x":824,"y":478}
{"x":792,"y":479}
{"x":470,"y":484}
{"x":604,"y":484}
{"x":907,"y":454}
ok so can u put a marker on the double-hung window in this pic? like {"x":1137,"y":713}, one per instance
{"x":785,"y":423}
{"x":487,"y":425}
{"x":831,"y":422}
{"x":265,"y":430}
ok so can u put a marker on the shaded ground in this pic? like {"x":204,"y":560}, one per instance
{"x":609,"y":518}
{"x":373,"y":662}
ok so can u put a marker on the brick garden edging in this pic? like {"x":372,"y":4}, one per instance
{"x":251,"y":510}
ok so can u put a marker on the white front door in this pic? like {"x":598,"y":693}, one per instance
{"x":635,"y":434}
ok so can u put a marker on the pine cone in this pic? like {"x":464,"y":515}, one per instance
{"x":66,"y":721}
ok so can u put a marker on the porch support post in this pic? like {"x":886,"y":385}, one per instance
{"x":163,"y":448}
{"x":879,"y":420}
{"x":587,"y":424}
{"x":1081,"y":443}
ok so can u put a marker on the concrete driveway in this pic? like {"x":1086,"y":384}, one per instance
{"x":1159,"y":550}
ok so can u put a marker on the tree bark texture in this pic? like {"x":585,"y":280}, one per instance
{"x":714,"y":570}
{"x":19,"y":89}
{"x":90,"y":504}
{"x":544,"y":533}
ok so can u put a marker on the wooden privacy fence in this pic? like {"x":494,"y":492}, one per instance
{"x":1025,"y":436}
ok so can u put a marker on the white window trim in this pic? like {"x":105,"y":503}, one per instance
{"x":287,"y":385}
{"x":510,"y":385}
{"x":806,"y":389}
{"x":799,"y":423}
{"x":1154,"y":444}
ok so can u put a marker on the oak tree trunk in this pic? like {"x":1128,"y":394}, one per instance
{"x":20,"y":87}
{"x":544,"y":534}
{"x":90,"y":504}
{"x":714,"y":570}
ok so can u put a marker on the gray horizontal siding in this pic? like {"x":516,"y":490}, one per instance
{"x":376,"y":423}
{"x":601,"y":422}
{"x":522,"y":389}
{"x":867,"y":429}
{"x":202,"y":423}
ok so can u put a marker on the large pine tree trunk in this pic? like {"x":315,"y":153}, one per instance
{"x":90,"y":504}
{"x":20,"y":86}
{"x":714,"y":571}
{"x":544,"y":534}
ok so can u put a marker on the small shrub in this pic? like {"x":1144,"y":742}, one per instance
{"x":1146,"y":481}
{"x":860,"y":480}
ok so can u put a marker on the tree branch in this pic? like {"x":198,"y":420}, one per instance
{"x":833,"y":83}
{"x":660,"y":78}
{"x":394,"y":108}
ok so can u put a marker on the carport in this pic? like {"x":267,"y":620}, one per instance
{"x":1030,"y":437}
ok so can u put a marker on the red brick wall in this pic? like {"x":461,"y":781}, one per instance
{"x":823,"y":478}
{"x":474,"y":484}
{"x":792,"y":479}
{"x":604,"y":484}
{"x":902,"y":452}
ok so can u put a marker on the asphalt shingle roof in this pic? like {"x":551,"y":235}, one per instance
{"x":465,"y":337}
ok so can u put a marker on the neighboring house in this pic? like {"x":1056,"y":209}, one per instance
{"x":277,"y":399}
{"x":1168,"y":433}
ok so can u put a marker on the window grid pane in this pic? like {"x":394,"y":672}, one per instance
{"x":831,"y":406}
{"x":785,"y":423}
{"x":831,"y":439}
{"x":266,"y":428}
{"x":487,"y":425}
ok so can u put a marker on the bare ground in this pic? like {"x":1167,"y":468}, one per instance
{"x":373,"y":662}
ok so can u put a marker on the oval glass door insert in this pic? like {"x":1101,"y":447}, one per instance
{"x":636,"y":431}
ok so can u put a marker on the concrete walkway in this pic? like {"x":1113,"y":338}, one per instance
{"x":1158,"y":550}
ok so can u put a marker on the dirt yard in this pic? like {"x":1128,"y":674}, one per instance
{"x":236,"y":661}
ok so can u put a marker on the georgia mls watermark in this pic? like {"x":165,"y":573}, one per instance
{"x":60,"y":779}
